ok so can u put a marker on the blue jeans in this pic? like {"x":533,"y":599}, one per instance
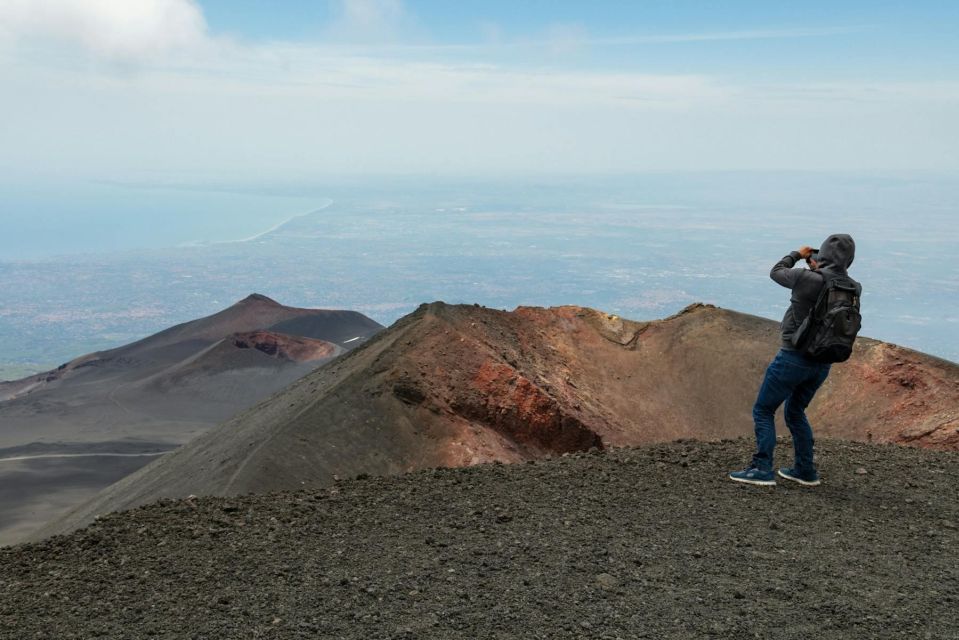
{"x":793,"y":379}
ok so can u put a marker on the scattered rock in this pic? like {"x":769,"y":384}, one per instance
{"x":408,"y":392}
{"x":607,"y":581}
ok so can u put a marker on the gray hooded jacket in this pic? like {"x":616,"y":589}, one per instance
{"x":835,"y":256}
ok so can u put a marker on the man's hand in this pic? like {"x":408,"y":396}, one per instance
{"x":805,"y":252}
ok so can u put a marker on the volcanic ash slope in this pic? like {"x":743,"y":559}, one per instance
{"x":455,"y":385}
{"x":174,"y":384}
{"x":626,"y":543}
{"x":141,"y":399}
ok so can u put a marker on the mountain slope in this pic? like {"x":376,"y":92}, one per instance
{"x":170,"y":346}
{"x":459,"y":385}
{"x":148,"y":397}
{"x":112,"y":394}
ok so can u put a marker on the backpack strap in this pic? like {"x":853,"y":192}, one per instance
{"x":827,"y":279}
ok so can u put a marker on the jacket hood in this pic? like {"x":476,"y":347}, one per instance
{"x":836,"y":253}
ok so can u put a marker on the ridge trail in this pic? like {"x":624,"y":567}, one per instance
{"x":83,"y":455}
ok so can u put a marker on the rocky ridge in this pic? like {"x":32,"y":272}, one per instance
{"x":458,"y":385}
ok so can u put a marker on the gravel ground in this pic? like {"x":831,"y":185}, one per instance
{"x":629,"y":543}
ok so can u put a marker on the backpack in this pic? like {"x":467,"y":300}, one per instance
{"x":829,"y":331}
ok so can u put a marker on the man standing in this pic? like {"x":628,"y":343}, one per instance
{"x":792,"y":377}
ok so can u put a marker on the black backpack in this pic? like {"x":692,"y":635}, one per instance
{"x":829,"y":331}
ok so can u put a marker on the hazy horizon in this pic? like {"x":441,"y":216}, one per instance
{"x":641,"y":246}
{"x":629,"y":156}
{"x":86,"y":217}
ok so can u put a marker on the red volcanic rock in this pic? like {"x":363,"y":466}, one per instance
{"x":887,"y":393}
{"x":503,"y":399}
{"x":278,"y":345}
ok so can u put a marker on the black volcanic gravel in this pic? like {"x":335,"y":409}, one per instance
{"x":630,"y":543}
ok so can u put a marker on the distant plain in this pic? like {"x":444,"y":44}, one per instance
{"x":640,"y":246}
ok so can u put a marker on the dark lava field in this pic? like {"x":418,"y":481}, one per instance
{"x":627,"y":543}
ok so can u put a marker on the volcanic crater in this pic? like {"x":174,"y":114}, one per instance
{"x":458,"y":385}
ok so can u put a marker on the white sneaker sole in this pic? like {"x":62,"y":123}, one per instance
{"x":761,"y":483}
{"x":805,"y":483}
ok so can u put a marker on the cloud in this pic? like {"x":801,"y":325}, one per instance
{"x":368,"y":98}
{"x":368,"y":21}
{"x":121,"y":31}
{"x":564,"y":38}
{"x":749,"y":34}
{"x":167,"y":42}
{"x":318,"y":71}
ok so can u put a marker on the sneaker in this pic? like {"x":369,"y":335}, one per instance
{"x":754,"y":475}
{"x":805,"y":479}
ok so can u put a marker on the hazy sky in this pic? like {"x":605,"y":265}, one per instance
{"x":180,"y":90}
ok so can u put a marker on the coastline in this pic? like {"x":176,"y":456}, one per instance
{"x":281,"y":224}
